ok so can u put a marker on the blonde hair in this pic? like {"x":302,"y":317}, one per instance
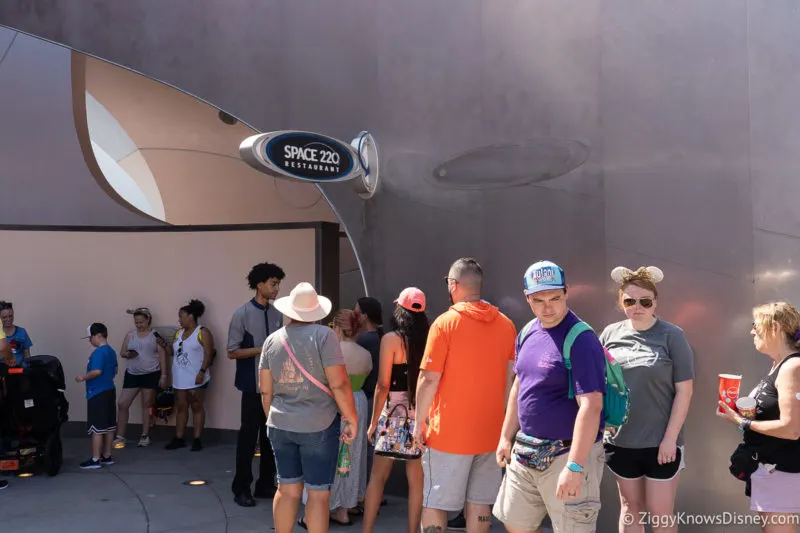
{"x":781,"y":314}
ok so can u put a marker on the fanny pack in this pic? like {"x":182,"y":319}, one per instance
{"x":536,"y":453}
{"x":744,"y":461}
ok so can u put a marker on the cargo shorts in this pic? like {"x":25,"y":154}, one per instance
{"x":527,"y":496}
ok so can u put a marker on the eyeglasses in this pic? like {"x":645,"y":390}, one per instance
{"x":647,"y":303}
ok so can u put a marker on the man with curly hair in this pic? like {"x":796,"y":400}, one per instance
{"x":250,"y":325}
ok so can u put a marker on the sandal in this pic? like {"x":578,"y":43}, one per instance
{"x":358,"y":510}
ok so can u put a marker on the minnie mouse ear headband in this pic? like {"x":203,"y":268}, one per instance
{"x":622,"y":274}
{"x":141,"y":311}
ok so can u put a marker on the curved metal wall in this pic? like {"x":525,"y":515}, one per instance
{"x":686,"y":110}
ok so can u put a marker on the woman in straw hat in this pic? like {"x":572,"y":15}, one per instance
{"x":304,"y":386}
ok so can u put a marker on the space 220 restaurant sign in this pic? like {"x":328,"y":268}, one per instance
{"x":302,"y":155}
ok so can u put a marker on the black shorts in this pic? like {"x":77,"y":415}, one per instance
{"x":141,"y":381}
{"x":101,"y":412}
{"x":635,"y":463}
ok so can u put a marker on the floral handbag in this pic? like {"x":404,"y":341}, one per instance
{"x":537,"y":453}
{"x":395,"y":435}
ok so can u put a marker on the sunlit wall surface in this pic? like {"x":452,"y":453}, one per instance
{"x":594,"y":133}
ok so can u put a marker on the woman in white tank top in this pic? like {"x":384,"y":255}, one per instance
{"x":146,"y":372}
{"x":193,"y":352}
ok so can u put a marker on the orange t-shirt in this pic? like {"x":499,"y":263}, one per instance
{"x":471,"y":344}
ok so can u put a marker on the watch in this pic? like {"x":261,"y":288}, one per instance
{"x":575,"y":467}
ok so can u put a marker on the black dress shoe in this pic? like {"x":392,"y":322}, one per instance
{"x":264,"y":492}
{"x":244,"y":499}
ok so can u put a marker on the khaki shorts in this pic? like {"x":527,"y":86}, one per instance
{"x":452,"y":479}
{"x":527,"y":496}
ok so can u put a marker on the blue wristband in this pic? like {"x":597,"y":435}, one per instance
{"x":575,"y":467}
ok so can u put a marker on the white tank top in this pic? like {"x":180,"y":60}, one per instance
{"x":187,"y":361}
{"x":147,"y":361}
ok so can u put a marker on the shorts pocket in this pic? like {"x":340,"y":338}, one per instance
{"x":584,"y":512}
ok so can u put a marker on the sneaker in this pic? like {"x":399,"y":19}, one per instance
{"x":107,"y":461}
{"x":197,"y":445}
{"x":119,"y":443}
{"x":91,"y":464}
{"x":3,"y":484}
{"x":175,"y":443}
{"x":144,"y":441}
{"x":459,"y":523}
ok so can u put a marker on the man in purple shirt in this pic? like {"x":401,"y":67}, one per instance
{"x":551,"y":445}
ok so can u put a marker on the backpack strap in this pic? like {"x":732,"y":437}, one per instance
{"x":523,"y":334}
{"x":573,"y":333}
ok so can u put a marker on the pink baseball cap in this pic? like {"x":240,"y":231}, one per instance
{"x":412,"y":299}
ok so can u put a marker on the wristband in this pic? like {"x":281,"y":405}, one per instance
{"x":575,"y":467}
{"x":744,"y":425}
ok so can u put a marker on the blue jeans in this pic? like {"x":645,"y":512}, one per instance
{"x":306,"y":457}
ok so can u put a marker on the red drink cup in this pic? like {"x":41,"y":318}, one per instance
{"x":729,"y":390}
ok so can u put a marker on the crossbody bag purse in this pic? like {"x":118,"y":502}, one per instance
{"x":395,"y":435}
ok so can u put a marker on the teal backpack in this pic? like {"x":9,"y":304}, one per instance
{"x":616,"y":399}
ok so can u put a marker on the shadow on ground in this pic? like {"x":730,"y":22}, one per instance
{"x":144,"y":492}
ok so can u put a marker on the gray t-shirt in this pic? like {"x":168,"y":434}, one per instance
{"x":298,"y":404}
{"x":652,"y":362}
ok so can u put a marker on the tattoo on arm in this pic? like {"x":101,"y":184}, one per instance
{"x":432,"y":529}
{"x":486,"y":518}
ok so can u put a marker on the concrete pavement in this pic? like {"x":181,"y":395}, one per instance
{"x":144,"y":492}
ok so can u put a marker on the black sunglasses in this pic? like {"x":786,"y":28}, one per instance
{"x":647,"y":303}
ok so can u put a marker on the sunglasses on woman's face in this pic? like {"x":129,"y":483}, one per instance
{"x":647,"y":303}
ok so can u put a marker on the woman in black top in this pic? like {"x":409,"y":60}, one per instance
{"x":774,"y":432}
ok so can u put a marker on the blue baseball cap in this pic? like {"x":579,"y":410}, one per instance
{"x":544,"y":276}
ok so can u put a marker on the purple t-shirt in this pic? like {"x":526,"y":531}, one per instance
{"x":545,"y":410}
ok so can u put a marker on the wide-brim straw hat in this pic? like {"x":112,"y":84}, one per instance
{"x":304,"y":304}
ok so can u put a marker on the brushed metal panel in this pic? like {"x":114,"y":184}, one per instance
{"x":777,"y":267}
{"x":675,"y":132}
{"x":775,"y":116}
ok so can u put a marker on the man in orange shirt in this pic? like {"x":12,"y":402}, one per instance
{"x":465,"y":376}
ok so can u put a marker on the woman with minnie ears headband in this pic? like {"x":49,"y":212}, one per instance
{"x":646,"y":454}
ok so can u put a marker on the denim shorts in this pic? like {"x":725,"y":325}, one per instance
{"x":306,"y":457}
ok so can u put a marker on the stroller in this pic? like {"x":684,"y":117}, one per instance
{"x":33,"y":407}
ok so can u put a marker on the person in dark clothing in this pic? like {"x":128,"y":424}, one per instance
{"x":250,"y":325}
{"x":370,"y":316}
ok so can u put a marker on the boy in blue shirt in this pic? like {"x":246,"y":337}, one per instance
{"x":101,"y":397}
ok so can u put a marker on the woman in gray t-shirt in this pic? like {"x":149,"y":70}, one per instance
{"x":646,"y":454}
{"x":304,"y":387}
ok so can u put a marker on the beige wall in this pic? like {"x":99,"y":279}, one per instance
{"x":60,"y":282}
{"x":194,"y":156}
